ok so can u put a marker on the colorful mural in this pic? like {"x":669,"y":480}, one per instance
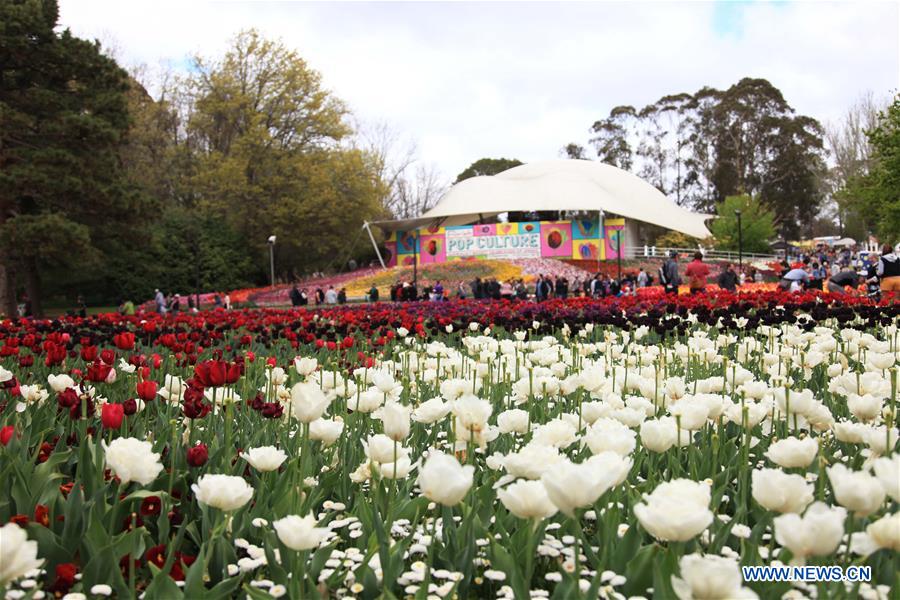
{"x":578,"y":239}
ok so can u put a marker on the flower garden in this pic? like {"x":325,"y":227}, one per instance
{"x":634,"y":447}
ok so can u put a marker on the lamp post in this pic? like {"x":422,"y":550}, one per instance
{"x":737,"y":214}
{"x":271,"y":242}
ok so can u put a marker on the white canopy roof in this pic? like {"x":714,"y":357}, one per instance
{"x":558,"y":185}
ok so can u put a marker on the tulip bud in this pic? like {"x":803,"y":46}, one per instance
{"x":6,"y":434}
{"x":198,"y":455}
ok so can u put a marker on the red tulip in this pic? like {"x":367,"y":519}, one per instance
{"x":211,"y":373}
{"x":124,"y":341}
{"x":89,"y":353}
{"x":233,"y":373}
{"x":98,"y":372}
{"x":198,"y":455}
{"x":111,"y":415}
{"x":129,"y":406}
{"x":42,"y":515}
{"x":6,"y":434}
{"x":108,"y":356}
{"x":146,"y":390}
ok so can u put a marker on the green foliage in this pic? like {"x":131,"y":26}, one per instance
{"x":488,"y":166}
{"x":270,"y":158}
{"x":757,"y":224}
{"x":877,"y":194}
{"x":676,"y":239}
{"x":63,"y":118}
{"x":700,"y":148}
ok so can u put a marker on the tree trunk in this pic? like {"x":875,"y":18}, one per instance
{"x":33,"y":287}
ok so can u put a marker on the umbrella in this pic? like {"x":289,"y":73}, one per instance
{"x":796,"y":275}
{"x":845,"y":242}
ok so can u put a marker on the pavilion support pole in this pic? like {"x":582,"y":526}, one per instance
{"x":600,"y":239}
{"x":368,"y":229}
{"x":416,"y":263}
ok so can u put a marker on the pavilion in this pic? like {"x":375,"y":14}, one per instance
{"x":561,"y":186}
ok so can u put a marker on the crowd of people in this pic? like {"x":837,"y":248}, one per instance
{"x":844,"y":272}
{"x":176,"y":303}
{"x":300,"y":297}
{"x":839,"y":273}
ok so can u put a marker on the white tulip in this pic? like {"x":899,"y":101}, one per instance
{"x":865,"y":407}
{"x":532,"y":461}
{"x":395,"y":420}
{"x":18,"y":554}
{"x":710,"y":577}
{"x":858,"y":491}
{"x":368,"y":401}
{"x":395,"y":470}
{"x":610,"y":435}
{"x":443,"y":480}
{"x":792,"y":452}
{"x":276,"y":376}
{"x":556,"y":432}
{"x":690,"y":414}
{"x":380,"y":449}
{"x":384,"y":381}
{"x":431,"y":411}
{"x":305,"y":366}
{"x":676,"y":511}
{"x":885,"y":532}
{"x":132,"y":460}
{"x":308,"y":402}
{"x":514,"y":420}
{"x":471,"y":417}
{"x":527,"y":500}
{"x":778,"y":491}
{"x":299,"y":533}
{"x":570,"y":485}
{"x":224,"y":492}
{"x":658,"y":435}
{"x":326,"y":431}
{"x":265,"y":458}
{"x":817,"y":533}
{"x":60,"y":383}
{"x":887,"y":470}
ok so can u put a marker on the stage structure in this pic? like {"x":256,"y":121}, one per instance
{"x":471,"y":219}
{"x":578,"y":239}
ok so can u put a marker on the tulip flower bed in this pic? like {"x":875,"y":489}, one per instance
{"x":634,"y":447}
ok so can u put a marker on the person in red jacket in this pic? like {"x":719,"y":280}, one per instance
{"x":696,"y":272}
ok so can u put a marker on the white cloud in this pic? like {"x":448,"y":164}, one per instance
{"x":520,"y":80}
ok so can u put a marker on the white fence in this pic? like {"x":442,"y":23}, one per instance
{"x":661,"y":252}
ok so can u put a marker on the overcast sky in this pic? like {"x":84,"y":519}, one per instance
{"x":520,"y":80}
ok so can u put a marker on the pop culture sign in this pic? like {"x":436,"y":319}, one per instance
{"x":577,"y":239}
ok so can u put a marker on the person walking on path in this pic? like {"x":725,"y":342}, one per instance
{"x":728,"y":279}
{"x":888,"y":269}
{"x":160,"y":300}
{"x":697,"y":271}
{"x":295,"y":296}
{"x":668,"y":274}
{"x":642,"y":278}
